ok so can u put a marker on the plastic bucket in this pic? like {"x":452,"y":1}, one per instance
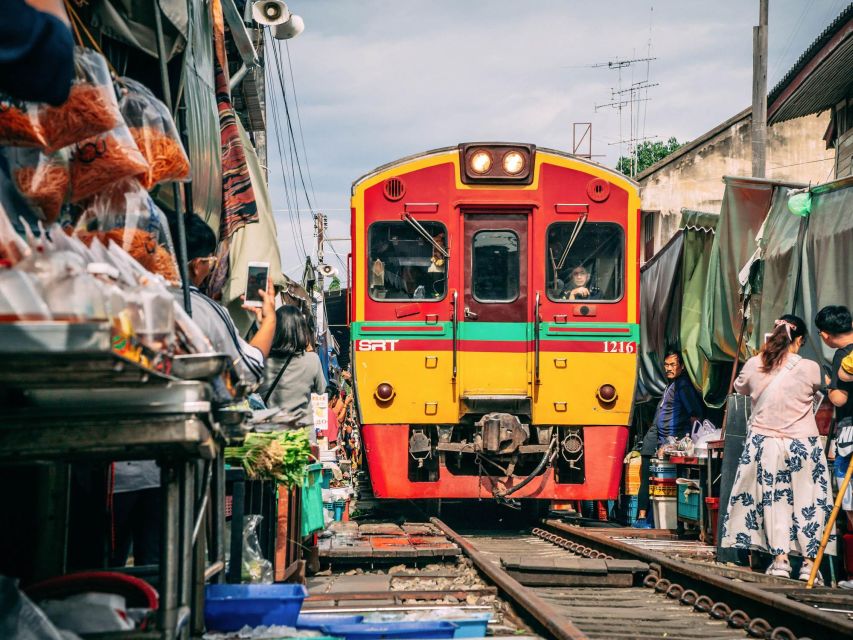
{"x":666,"y":512}
{"x":312,"y":500}
{"x":229,"y":607}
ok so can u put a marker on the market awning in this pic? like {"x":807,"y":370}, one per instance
{"x":660,"y":306}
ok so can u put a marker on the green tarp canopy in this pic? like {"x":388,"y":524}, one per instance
{"x":693,"y":290}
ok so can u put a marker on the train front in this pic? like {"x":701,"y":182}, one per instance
{"x":494,"y":308}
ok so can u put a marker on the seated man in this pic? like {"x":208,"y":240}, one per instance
{"x":579,"y":286}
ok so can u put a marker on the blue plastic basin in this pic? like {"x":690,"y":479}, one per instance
{"x":392,"y":630}
{"x":474,"y":626}
{"x":317,"y":621}
{"x":229,"y":607}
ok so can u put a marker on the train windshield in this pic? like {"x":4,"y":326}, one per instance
{"x":403,"y":264}
{"x":585,"y":263}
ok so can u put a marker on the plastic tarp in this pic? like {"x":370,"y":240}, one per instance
{"x":202,"y":116}
{"x":746,"y":203}
{"x":827,"y":275}
{"x":698,"y":234}
{"x":256,"y":242}
{"x":132,"y":22}
{"x":660,"y":304}
{"x":780,"y":267}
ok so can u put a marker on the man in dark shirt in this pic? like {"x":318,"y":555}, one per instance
{"x":836,"y":330}
{"x":679,"y":407}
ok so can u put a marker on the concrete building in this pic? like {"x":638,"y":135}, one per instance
{"x":692,"y":176}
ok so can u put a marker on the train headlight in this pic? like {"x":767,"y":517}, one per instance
{"x":607,"y":393}
{"x":480,"y":162}
{"x":384,"y":392}
{"x":513,"y":163}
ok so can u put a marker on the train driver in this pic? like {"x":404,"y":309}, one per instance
{"x":579,"y":285}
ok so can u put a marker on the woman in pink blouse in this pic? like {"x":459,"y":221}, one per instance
{"x":781,"y":497}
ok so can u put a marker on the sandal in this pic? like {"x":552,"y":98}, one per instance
{"x":780,"y":569}
{"x":805,"y":572}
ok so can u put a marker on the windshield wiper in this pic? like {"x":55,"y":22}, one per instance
{"x":417,"y":226}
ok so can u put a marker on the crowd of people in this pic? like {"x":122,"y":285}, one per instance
{"x":782,"y":494}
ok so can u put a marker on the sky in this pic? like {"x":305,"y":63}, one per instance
{"x":377,"y":80}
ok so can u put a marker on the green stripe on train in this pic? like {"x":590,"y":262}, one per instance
{"x":505,"y":331}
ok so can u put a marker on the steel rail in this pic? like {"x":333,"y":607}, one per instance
{"x":546,"y":615}
{"x":802,"y":619}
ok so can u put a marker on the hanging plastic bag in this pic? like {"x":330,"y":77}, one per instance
{"x":256,"y":569}
{"x":13,"y":249}
{"x":154,"y":132}
{"x":91,"y":107}
{"x":43,"y":180}
{"x":19,"y":124}
{"x":126,"y":215}
{"x":101,"y":161}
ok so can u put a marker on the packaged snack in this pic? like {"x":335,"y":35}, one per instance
{"x":43,"y":180}
{"x":154,"y":132}
{"x":126,"y":215}
{"x":101,"y":161}
{"x":19,"y":124}
{"x":91,"y":107}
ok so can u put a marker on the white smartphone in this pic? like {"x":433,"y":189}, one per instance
{"x":257,"y":278}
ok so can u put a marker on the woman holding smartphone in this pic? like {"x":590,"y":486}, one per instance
{"x":294,"y":371}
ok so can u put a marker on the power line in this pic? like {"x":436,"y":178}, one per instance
{"x":299,"y":121}
{"x":295,"y":227}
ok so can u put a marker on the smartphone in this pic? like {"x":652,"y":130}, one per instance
{"x":257,"y":277}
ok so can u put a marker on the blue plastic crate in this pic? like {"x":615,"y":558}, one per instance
{"x":229,"y":607}
{"x":689,"y":502}
{"x":316,"y":621}
{"x":392,"y":630}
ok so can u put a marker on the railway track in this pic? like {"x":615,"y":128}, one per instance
{"x":575,"y":583}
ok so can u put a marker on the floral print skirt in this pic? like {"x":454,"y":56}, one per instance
{"x":781,"y":498}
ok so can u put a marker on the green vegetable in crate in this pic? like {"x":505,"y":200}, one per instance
{"x":279,"y":456}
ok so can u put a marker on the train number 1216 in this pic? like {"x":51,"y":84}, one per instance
{"x":613,"y":346}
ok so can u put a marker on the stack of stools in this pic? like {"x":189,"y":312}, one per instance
{"x":663,"y":494}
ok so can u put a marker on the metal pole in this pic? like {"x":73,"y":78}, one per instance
{"x":759,"y":92}
{"x":177,"y":188}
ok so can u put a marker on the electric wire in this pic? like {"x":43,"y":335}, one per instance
{"x":299,"y":121}
{"x":294,"y":224}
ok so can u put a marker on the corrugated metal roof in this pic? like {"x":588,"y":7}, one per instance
{"x":803,"y":91}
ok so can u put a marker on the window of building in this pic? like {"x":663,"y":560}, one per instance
{"x":585,"y":263}
{"x":403,"y":265}
{"x":495,"y":268}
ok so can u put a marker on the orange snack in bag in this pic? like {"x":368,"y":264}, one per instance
{"x":46,"y":186}
{"x":166,"y":157}
{"x":89,"y":110}
{"x":102,"y":161}
{"x":19,"y":125}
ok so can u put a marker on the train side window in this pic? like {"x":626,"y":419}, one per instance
{"x":586,"y":263}
{"x":495,"y":268}
{"x":403,"y":264}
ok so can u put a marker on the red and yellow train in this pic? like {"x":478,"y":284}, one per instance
{"x":494,"y":320}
